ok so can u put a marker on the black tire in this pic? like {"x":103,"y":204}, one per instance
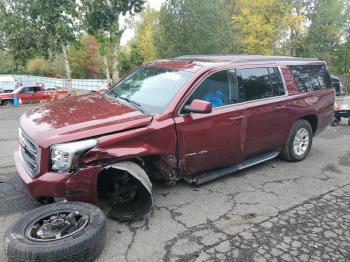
{"x":7,"y":103}
{"x":335,"y":122}
{"x":349,"y":121}
{"x":288,"y":153}
{"x":84,"y":245}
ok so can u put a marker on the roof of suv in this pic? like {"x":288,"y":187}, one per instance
{"x":195,"y":62}
{"x":242,"y":58}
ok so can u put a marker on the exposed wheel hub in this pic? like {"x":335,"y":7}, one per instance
{"x":57,"y":226}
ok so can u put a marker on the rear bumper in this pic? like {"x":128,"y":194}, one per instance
{"x":81,"y":186}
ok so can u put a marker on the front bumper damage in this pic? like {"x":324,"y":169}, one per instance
{"x":83,"y":186}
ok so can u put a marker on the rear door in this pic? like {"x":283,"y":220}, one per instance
{"x":209,"y":141}
{"x":263,"y":91}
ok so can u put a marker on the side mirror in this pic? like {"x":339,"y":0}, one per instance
{"x":199,"y":106}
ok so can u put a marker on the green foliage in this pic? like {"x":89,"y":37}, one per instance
{"x":7,"y":63}
{"x":145,"y":33}
{"x":193,"y":27}
{"x":129,"y":59}
{"x":38,"y":66}
{"x":327,"y":19}
{"x":84,"y":58}
{"x":260,"y":24}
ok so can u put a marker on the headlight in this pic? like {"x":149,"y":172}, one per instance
{"x":62,"y":155}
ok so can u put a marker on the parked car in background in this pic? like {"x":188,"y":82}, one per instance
{"x":31,"y":94}
{"x":342,"y":110}
{"x":8,"y":84}
{"x":194,"y":118}
{"x":337,"y":85}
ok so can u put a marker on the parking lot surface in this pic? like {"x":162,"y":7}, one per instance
{"x":277,"y":211}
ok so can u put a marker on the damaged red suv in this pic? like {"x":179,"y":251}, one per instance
{"x":193,"y":118}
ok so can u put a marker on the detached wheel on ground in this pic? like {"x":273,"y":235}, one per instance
{"x":65,"y":231}
{"x":299,"y":142}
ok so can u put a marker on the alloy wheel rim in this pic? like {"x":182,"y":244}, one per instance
{"x":301,"y":141}
{"x":57,"y":226}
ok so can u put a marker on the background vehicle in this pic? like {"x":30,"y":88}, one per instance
{"x":194,"y":118}
{"x":31,"y":94}
{"x":8,"y":84}
{"x":342,"y":110}
{"x":337,"y":85}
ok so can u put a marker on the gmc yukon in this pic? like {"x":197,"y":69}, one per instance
{"x":193,"y":118}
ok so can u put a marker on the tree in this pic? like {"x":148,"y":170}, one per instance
{"x":101,"y":19}
{"x":84,"y":57}
{"x":193,"y":27}
{"x":58,"y":19}
{"x":38,"y":66}
{"x":130,"y":58}
{"x":48,"y":25}
{"x":19,"y":34}
{"x":145,"y":33}
{"x":327,"y":20}
{"x":262,"y":24}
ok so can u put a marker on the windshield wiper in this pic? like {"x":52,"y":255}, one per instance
{"x":132,"y":102}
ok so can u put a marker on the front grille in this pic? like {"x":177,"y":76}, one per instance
{"x":30,"y":153}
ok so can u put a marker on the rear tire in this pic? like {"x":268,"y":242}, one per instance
{"x":299,"y":142}
{"x":349,"y":121}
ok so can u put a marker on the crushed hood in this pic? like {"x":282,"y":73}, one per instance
{"x":80,"y":117}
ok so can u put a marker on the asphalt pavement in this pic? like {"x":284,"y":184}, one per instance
{"x":277,"y":211}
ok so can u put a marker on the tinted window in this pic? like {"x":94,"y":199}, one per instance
{"x":311,"y":77}
{"x":218,"y":89}
{"x":256,"y":84}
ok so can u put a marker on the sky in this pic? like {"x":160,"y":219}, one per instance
{"x":129,"y":33}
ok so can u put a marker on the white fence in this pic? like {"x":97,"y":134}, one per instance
{"x":81,"y":84}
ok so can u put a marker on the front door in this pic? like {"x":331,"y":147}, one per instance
{"x":210,"y":141}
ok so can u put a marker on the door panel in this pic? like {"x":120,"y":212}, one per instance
{"x":210,"y":141}
{"x":267,"y":126}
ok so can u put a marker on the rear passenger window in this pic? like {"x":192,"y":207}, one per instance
{"x":311,"y":77}
{"x":259,"y":83}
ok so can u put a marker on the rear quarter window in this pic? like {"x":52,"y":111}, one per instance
{"x":311,"y":77}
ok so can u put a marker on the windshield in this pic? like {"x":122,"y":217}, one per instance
{"x":151,"y":88}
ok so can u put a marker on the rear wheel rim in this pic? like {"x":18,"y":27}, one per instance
{"x":301,"y":141}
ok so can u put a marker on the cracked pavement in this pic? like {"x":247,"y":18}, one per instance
{"x":276,"y":211}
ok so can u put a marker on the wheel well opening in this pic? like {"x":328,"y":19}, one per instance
{"x":122,"y":195}
{"x":312,"y":119}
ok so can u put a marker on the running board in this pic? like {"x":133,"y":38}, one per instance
{"x":215,"y":174}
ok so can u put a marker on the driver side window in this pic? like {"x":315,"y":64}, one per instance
{"x":218,"y":89}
